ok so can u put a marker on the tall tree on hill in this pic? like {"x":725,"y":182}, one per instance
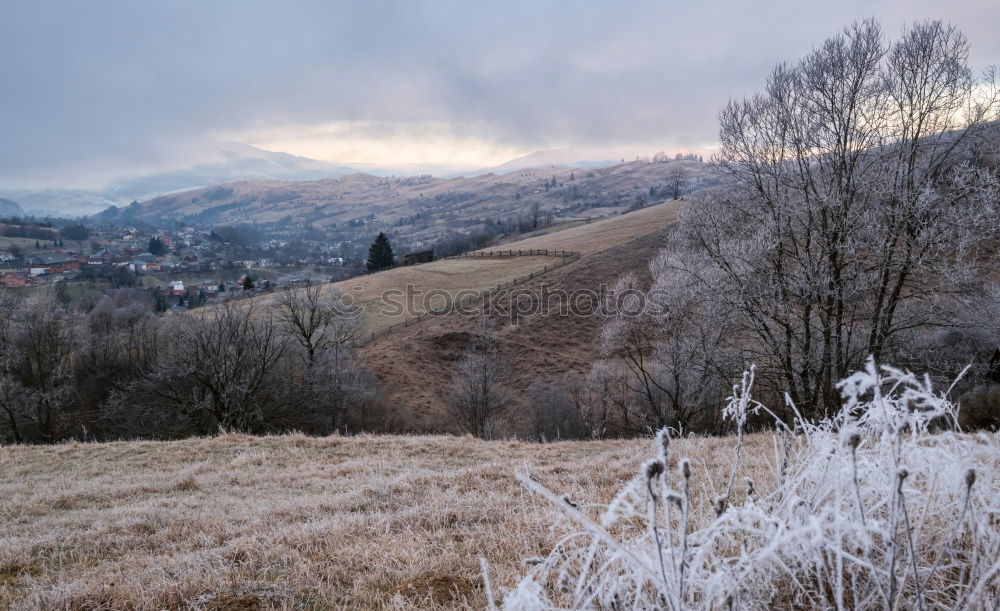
{"x":677,"y":180}
{"x":318,"y":319}
{"x":380,"y":254}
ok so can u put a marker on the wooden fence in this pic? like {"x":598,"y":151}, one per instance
{"x":565,"y":257}
{"x":568,"y":254}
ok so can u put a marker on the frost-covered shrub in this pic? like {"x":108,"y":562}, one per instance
{"x":866,"y":509}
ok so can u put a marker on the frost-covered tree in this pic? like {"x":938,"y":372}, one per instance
{"x":216,"y":370}
{"x":324,"y":325}
{"x":669,"y":344}
{"x":859,"y":207}
{"x":552,"y":412}
{"x":677,"y":180}
{"x":39,"y":339}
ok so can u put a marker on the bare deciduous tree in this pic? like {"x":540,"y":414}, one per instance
{"x":552,"y":412}
{"x":318,"y":318}
{"x":535,"y":214}
{"x":667,"y":351}
{"x":37,"y":354}
{"x":325,"y":325}
{"x":10,"y":387}
{"x":481,"y":396}
{"x":605,"y":401}
{"x":677,"y":180}
{"x":217,"y":368}
{"x":856,"y":211}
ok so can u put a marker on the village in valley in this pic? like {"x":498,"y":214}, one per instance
{"x":187,"y":257}
{"x":183,"y":267}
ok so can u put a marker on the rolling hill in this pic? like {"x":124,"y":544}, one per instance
{"x":210,"y":164}
{"x":422,"y":208}
{"x":416,"y":364}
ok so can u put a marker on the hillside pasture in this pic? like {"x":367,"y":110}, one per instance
{"x":382,"y":294}
{"x":593,"y":237}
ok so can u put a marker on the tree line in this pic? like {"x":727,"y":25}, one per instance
{"x":112,"y":368}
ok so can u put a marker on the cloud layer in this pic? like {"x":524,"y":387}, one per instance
{"x":93,"y":89}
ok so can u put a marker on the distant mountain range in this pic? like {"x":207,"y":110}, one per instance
{"x":227,"y":162}
{"x":234,"y":162}
{"x":554,"y":158}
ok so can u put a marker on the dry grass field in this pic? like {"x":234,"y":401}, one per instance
{"x":238,"y":522}
{"x":382,"y":295}
{"x":473,"y":274}
{"x":600,"y":235}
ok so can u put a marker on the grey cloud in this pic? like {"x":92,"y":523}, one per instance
{"x":93,"y":87}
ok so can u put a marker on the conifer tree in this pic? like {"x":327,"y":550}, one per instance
{"x":380,"y":254}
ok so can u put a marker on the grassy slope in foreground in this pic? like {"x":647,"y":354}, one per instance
{"x":364,"y":521}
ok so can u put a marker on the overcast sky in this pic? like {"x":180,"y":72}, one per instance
{"x":94,"y":89}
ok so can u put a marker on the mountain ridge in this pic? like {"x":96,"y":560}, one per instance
{"x":9,"y":207}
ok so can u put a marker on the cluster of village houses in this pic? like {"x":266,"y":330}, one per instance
{"x":18,"y":273}
{"x":185,"y":250}
{"x":41,"y":268}
{"x":44,"y":267}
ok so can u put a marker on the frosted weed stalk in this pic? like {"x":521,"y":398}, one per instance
{"x":867,"y":509}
